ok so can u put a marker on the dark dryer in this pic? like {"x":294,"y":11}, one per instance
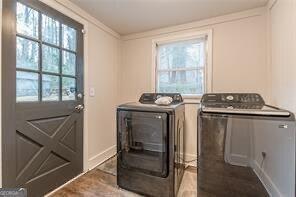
{"x":150,"y":145}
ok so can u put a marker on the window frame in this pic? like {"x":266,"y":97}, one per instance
{"x":205,"y":34}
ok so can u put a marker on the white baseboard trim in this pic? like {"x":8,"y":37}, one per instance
{"x":271,"y":188}
{"x":192,"y":158}
{"x":53,"y":191}
{"x":101,"y":157}
{"x":93,"y":162}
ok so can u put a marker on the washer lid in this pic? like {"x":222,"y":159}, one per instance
{"x":264,"y":110}
{"x":149,"y":107}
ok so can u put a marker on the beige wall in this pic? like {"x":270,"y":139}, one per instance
{"x":104,"y":51}
{"x":283,"y":58}
{"x":282,"y":41}
{"x":239,"y":63}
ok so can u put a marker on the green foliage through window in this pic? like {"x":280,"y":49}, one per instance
{"x":181,"y":67}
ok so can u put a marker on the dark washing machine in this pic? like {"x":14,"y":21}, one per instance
{"x":150,"y":145}
{"x":233,"y":144}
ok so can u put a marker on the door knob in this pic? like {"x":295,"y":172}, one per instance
{"x":79,"y":95}
{"x":79,"y":108}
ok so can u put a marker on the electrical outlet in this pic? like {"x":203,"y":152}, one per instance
{"x":92,"y":92}
{"x":263,"y":154}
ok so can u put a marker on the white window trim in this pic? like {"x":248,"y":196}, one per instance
{"x":180,"y":37}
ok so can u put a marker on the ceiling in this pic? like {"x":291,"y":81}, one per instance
{"x":134,"y":16}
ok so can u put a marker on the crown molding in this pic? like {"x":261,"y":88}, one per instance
{"x":271,"y":3}
{"x":83,"y":14}
{"x":187,"y":26}
{"x":198,"y":24}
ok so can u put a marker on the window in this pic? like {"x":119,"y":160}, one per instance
{"x":182,"y":66}
{"x":45,"y":57}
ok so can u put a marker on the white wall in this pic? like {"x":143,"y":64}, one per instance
{"x":283,"y":59}
{"x":104,"y":51}
{"x":239,"y":61}
{"x":279,"y":172}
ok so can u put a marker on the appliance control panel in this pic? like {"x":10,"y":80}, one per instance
{"x":150,"y":98}
{"x":232,"y":98}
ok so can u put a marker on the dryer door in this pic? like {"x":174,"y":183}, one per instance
{"x":143,"y":142}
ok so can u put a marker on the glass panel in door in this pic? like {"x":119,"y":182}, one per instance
{"x":50,"y":30}
{"x":26,"y":86}
{"x":46,"y":53}
{"x":27,"y":54}
{"x":50,"y":59}
{"x":27,"y":21}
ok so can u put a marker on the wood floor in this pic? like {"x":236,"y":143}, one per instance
{"x":101,"y":182}
{"x":93,"y":183}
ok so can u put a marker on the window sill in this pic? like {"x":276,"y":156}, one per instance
{"x":193,"y":101}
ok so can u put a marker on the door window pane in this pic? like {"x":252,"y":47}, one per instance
{"x":50,"y":30}
{"x":69,"y":38}
{"x":50,"y":59}
{"x":69,"y":88}
{"x":26,"y":86}
{"x":50,"y":87}
{"x":27,"y":20}
{"x":188,"y":82}
{"x":27,"y":54}
{"x":69,"y":63}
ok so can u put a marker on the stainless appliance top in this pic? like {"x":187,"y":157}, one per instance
{"x":239,"y":103}
{"x":146,"y":103}
{"x":150,"y":98}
